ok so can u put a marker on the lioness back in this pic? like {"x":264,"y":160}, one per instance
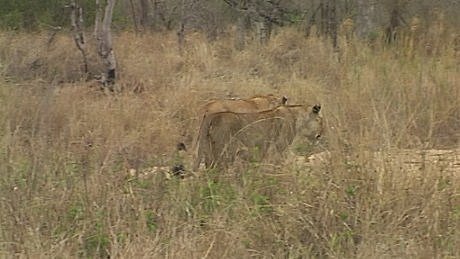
{"x":254,"y":134}
{"x":253,"y":104}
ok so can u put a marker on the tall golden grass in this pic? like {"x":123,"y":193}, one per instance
{"x":68,"y":150}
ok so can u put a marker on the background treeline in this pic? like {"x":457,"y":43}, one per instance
{"x":214,"y":16}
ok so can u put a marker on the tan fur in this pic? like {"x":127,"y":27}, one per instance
{"x":253,"y":104}
{"x":251,"y":135}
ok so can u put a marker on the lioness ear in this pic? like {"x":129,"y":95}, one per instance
{"x":284,"y":100}
{"x":316,"y":108}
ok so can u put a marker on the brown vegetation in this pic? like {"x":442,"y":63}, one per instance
{"x":72,"y":158}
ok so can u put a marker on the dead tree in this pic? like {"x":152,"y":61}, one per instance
{"x":103,"y":37}
{"x":76,"y":20}
{"x":104,"y":43}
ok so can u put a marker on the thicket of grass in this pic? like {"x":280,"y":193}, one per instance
{"x":66,"y":149}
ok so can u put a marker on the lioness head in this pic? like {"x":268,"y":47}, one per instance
{"x":311,"y":126}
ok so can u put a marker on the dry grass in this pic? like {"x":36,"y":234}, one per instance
{"x":66,"y":150}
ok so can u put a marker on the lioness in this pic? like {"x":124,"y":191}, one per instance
{"x":253,"y":104}
{"x":251,"y":135}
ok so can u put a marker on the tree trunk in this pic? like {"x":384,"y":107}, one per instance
{"x":241,"y":28}
{"x":181,"y":30}
{"x":105,"y":50}
{"x":76,"y":20}
{"x":181,"y":36}
{"x":133,"y":15}
{"x":97,"y":20}
{"x":324,"y":23}
{"x":158,"y":16}
{"x":312,"y":20}
{"x":333,"y":27}
{"x":365,"y":22}
{"x":146,"y":18}
{"x":264,"y":29}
